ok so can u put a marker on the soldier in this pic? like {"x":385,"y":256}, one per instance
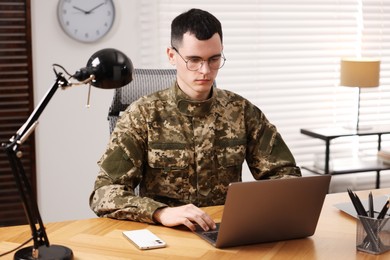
{"x":183,"y":146}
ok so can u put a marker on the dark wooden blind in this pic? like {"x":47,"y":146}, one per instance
{"x":16,"y":101}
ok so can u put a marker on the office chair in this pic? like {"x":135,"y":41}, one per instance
{"x":145,"y":81}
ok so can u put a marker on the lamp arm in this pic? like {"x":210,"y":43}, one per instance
{"x":23,"y":133}
{"x":14,"y":155}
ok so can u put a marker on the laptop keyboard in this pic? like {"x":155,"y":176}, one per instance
{"x":212,"y":234}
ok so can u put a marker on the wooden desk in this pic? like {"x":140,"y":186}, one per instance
{"x":101,"y":238}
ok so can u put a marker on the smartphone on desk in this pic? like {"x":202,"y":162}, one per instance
{"x":144,"y":239}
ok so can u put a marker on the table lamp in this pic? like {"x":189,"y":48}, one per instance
{"x":107,"y":69}
{"x":360,"y":73}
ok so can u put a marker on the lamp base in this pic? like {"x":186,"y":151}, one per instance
{"x":45,"y":253}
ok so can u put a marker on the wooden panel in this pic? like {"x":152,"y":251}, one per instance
{"x":16,"y":102}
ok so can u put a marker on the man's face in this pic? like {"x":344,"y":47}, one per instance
{"x":196,"y":84}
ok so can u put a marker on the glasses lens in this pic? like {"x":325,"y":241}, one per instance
{"x":217,"y":64}
{"x":194,"y":64}
{"x":214,"y":63}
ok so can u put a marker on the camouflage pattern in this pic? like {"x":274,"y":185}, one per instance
{"x":180,"y":151}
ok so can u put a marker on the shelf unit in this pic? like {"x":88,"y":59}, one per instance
{"x":348,"y":166}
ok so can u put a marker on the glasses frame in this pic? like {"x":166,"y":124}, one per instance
{"x":223,"y":60}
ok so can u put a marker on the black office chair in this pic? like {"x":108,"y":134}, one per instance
{"x":145,"y":81}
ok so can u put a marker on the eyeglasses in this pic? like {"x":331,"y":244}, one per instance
{"x":194,"y":64}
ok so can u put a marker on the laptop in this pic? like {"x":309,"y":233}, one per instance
{"x":269,"y":211}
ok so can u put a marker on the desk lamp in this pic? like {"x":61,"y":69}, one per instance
{"x":107,"y":68}
{"x":361,"y":73}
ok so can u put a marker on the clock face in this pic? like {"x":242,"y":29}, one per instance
{"x":86,"y":20}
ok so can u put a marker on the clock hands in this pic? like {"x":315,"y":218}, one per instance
{"x":81,"y":10}
{"x":90,"y":11}
{"x":96,"y":7}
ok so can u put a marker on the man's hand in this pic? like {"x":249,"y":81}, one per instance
{"x":186,"y":215}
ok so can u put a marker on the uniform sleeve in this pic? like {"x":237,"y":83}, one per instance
{"x":120,"y":173}
{"x":268,"y":156}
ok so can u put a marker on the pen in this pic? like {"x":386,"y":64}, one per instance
{"x":370,"y":205}
{"x":360,"y":211}
{"x":363,"y":211}
{"x":384,"y":210}
{"x":353,"y":200}
{"x":357,"y":203}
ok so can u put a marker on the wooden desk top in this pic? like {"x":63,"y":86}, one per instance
{"x":101,"y":238}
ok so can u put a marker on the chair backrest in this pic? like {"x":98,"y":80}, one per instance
{"x":145,"y":81}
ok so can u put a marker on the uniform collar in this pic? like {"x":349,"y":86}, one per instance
{"x":192,"y":107}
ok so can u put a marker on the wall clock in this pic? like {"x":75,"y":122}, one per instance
{"x":86,"y":20}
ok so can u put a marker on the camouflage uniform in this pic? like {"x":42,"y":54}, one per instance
{"x":180,"y":151}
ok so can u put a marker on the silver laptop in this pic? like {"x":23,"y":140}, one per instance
{"x":269,"y":211}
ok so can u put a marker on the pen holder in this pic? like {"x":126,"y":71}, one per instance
{"x":373,"y":235}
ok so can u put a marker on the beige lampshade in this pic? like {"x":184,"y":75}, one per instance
{"x":355,"y":72}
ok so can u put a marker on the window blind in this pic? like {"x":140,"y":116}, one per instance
{"x":16,"y":103}
{"x":284,"y":56}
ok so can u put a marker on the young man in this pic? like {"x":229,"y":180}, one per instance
{"x":184,"y":145}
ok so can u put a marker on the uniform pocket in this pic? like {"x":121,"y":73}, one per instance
{"x":168,"y":170}
{"x":230,"y":155}
{"x":171,"y":155}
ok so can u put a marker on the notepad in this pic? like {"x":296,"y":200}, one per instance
{"x":348,"y":207}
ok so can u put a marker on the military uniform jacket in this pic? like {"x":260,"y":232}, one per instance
{"x":180,"y":151}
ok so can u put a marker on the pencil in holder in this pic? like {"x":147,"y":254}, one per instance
{"x":373,"y":235}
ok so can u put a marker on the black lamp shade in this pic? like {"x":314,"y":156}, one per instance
{"x":111,"y":68}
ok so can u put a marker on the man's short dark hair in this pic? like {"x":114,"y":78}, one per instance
{"x":200,"y":23}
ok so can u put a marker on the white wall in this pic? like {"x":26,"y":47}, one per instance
{"x":70,"y":138}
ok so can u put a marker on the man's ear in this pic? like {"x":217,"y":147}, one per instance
{"x":171,"y":56}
